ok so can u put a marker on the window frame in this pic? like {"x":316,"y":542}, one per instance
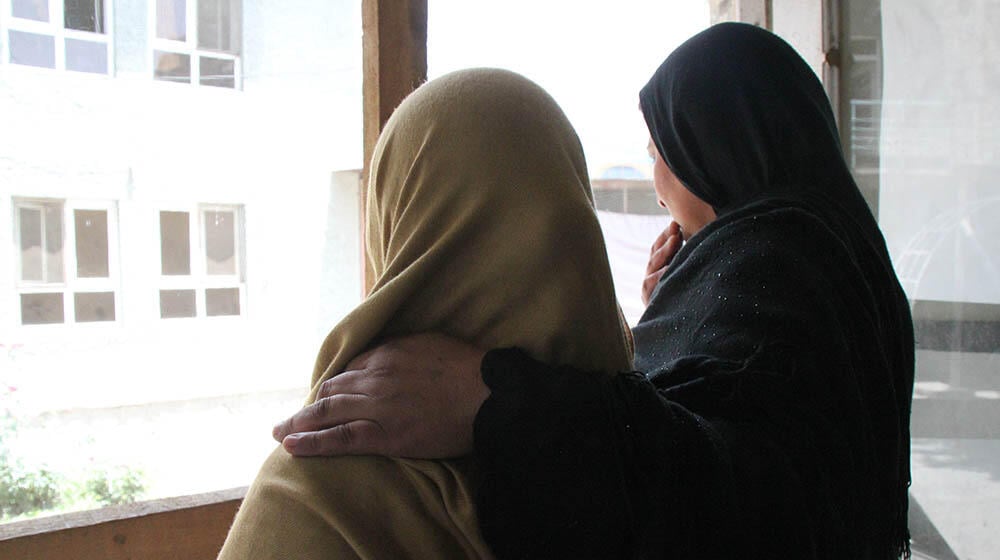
{"x":56,"y":28}
{"x":189,"y":47}
{"x":199,"y":279}
{"x":70,"y":284}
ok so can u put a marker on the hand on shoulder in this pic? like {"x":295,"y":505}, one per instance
{"x":415,"y":396}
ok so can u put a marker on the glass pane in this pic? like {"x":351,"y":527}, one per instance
{"x":616,"y":46}
{"x":919,"y":120}
{"x":91,"y":243}
{"x":53,"y":243}
{"x":177,"y":303}
{"x":30,"y":235}
{"x":217,"y":72}
{"x":177,"y":148}
{"x":40,"y":309}
{"x":32,"y":49}
{"x":217,"y":20}
{"x":175,"y":243}
{"x":38,"y":228}
{"x":84,"y":15}
{"x":93,"y":307}
{"x":220,"y":242}
{"x":171,"y":19}
{"x":37,"y":10}
{"x":222,"y":301}
{"x":86,"y":56}
{"x":172,"y":67}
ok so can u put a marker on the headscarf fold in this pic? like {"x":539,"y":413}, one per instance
{"x":793,"y":281}
{"x":480,"y":225}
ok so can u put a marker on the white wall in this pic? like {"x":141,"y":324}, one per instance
{"x":273,"y":148}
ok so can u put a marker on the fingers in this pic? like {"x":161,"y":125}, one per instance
{"x":662,"y":256}
{"x":662,"y":253}
{"x":325,"y":413}
{"x":416,"y":396}
{"x":350,"y":381}
{"x":661,"y":239}
{"x":360,"y":437}
{"x":649,"y":284}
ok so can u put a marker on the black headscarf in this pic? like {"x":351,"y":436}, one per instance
{"x":783,"y":318}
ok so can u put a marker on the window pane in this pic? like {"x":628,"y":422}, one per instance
{"x":32,"y":49}
{"x":53,"y":243}
{"x":84,"y":15}
{"x":30,"y":229}
{"x":171,"y":19}
{"x":37,"y":10}
{"x":217,"y":72}
{"x":634,"y":38}
{"x":91,"y":243}
{"x":92,"y":307}
{"x":177,"y":303}
{"x":38,"y":228}
{"x":222,"y":301}
{"x":172,"y":67}
{"x":220,"y":243}
{"x":86,"y":56}
{"x":175,"y":244}
{"x":919,"y":122}
{"x":150,"y":147}
{"x":217,"y":21}
{"x":40,"y":309}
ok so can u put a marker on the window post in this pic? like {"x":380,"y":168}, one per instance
{"x":756,"y":12}
{"x":394,"y":62}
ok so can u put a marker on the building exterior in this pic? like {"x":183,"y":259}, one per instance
{"x":173,"y":205}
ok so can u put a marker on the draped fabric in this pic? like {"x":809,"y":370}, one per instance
{"x":772,"y":419}
{"x":480,"y":225}
{"x":746,"y":126}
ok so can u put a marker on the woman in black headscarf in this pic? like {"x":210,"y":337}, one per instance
{"x":771,"y":419}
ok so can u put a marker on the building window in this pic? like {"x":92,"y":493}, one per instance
{"x":197,"y":42}
{"x":65,"y":262}
{"x":63,"y":34}
{"x":201,"y":267}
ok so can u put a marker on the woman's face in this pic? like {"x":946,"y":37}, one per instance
{"x":689,"y":211}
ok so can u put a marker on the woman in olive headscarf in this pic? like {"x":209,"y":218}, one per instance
{"x":772,"y":419}
{"x":480,"y":225}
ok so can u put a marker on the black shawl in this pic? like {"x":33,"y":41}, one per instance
{"x":773,"y":417}
{"x":811,"y":305}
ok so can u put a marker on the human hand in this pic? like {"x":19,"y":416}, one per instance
{"x":415,"y":396}
{"x":660,"y":255}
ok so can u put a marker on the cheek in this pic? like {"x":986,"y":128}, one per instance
{"x":661,"y":181}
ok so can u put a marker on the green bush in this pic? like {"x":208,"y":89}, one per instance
{"x":121,"y":485}
{"x":27,"y":491}
{"x":23,"y":491}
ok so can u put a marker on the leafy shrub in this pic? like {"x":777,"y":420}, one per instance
{"x":23,"y":491}
{"x":121,"y":485}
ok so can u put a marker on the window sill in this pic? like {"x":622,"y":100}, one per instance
{"x":191,"y":527}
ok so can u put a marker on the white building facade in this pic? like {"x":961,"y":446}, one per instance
{"x":175,"y":221}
